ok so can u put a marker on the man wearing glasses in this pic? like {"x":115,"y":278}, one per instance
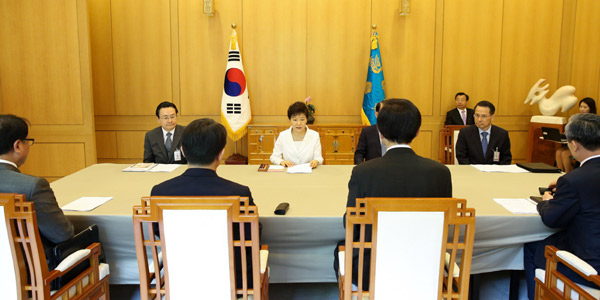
{"x":53,"y":226}
{"x":483,"y":143}
{"x":163,"y":144}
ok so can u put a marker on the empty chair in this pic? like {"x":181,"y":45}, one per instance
{"x":551,"y":284}
{"x":25,"y":273}
{"x":408,"y":246}
{"x":194,"y":254}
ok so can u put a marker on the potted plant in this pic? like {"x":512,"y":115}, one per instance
{"x":311,"y":111}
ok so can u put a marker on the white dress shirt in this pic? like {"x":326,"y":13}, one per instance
{"x":309,"y":149}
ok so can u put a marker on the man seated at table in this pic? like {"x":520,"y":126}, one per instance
{"x":483,"y":143}
{"x":369,"y":144}
{"x":461,"y":115}
{"x":574,"y":206}
{"x":399,"y":173}
{"x":203,"y":143}
{"x":162,"y":145}
{"x":53,"y":226}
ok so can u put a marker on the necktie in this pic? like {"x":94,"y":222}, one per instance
{"x":463,"y":115}
{"x":484,"y":142}
{"x":168,"y":142}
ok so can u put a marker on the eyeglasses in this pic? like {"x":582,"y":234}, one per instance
{"x":477,"y":116}
{"x":172,"y":117}
{"x":29,"y":141}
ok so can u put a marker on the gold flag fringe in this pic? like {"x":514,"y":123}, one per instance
{"x":235,"y":135}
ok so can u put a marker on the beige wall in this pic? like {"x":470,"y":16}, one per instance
{"x":45,"y":76}
{"x":147,"y":51}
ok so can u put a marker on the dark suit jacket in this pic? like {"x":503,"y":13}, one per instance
{"x":399,"y":173}
{"x":576,"y":209}
{"x":154,"y":147}
{"x":53,"y":226}
{"x":369,"y":145}
{"x":205,"y":182}
{"x":469,"y":151}
{"x":453,"y":117}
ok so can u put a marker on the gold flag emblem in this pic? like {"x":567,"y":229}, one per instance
{"x":376,"y":64}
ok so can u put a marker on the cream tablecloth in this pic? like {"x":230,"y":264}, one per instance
{"x":301,"y":243}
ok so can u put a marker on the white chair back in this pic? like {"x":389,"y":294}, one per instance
{"x":8,"y":279}
{"x":200,"y":263}
{"x":424,"y":232}
{"x":455,"y":139}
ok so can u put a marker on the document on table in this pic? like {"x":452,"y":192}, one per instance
{"x":140,"y":167}
{"x":275,"y":168}
{"x":518,"y":205}
{"x":303,"y":168}
{"x":86,"y":203}
{"x":165,"y":168}
{"x":500,"y":168}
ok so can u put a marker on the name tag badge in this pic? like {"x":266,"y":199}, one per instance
{"x":177,"y":155}
{"x":496,"y":155}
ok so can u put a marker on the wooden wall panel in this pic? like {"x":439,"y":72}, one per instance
{"x":531,"y":34}
{"x":274,"y":54}
{"x":518,"y":145}
{"x":471,"y":51}
{"x":49,"y":159}
{"x":106,"y":143}
{"x":338,"y":54}
{"x":39,"y":64}
{"x":141,"y":55}
{"x":203,"y":49}
{"x":45,"y":76}
{"x":586,"y":57}
{"x":99,"y":13}
{"x":407,"y":50}
{"x":130,"y":144}
{"x":422,"y":144}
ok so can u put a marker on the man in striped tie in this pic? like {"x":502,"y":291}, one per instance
{"x":462,"y":115}
{"x":483,"y":143}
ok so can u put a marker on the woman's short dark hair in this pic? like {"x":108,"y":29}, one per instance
{"x":297,"y":108}
{"x":590,"y":103}
{"x":12,"y":128}
{"x":165,"y":104}
{"x":202,"y":141}
{"x":399,"y":120}
{"x":585,"y":129}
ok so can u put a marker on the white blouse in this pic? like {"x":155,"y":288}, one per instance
{"x":309,"y":149}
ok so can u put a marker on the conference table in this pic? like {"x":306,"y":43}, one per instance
{"x":302,"y":242}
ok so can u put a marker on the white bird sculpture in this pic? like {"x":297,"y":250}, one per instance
{"x":563,"y":98}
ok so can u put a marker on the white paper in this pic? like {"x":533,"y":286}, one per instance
{"x":518,"y":205}
{"x":140,"y":167}
{"x":303,"y":168}
{"x":165,"y":168}
{"x":86,"y":203}
{"x":500,"y":168}
{"x":275,"y":168}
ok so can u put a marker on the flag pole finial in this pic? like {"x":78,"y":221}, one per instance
{"x":233,"y":25}
{"x":374,"y":26}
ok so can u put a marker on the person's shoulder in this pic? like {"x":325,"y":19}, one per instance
{"x":470,"y":110}
{"x":179,"y":127}
{"x":468,"y":129}
{"x":240,"y":189}
{"x":311,"y":132}
{"x":154,"y":131}
{"x":451,"y":111}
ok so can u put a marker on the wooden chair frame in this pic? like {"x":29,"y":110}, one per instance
{"x":28,"y":252}
{"x":459,"y":231}
{"x":548,"y":289}
{"x":240,"y":213}
{"x":447,"y":146}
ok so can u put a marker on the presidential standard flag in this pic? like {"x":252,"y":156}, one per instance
{"x":235,"y":104}
{"x":374,"y":91}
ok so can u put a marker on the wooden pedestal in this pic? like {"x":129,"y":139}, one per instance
{"x":539,"y":150}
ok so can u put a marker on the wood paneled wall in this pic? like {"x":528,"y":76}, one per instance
{"x":45,"y":76}
{"x":147,"y":51}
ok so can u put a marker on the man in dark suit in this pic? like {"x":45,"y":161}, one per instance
{"x":53,"y":226}
{"x":400,"y":172}
{"x":369,"y":143}
{"x":575,"y":206}
{"x":162,"y":144}
{"x":483,"y":143}
{"x":462,"y":115}
{"x":203,"y":143}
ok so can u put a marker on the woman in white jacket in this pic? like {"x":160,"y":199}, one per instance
{"x":298,"y":145}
